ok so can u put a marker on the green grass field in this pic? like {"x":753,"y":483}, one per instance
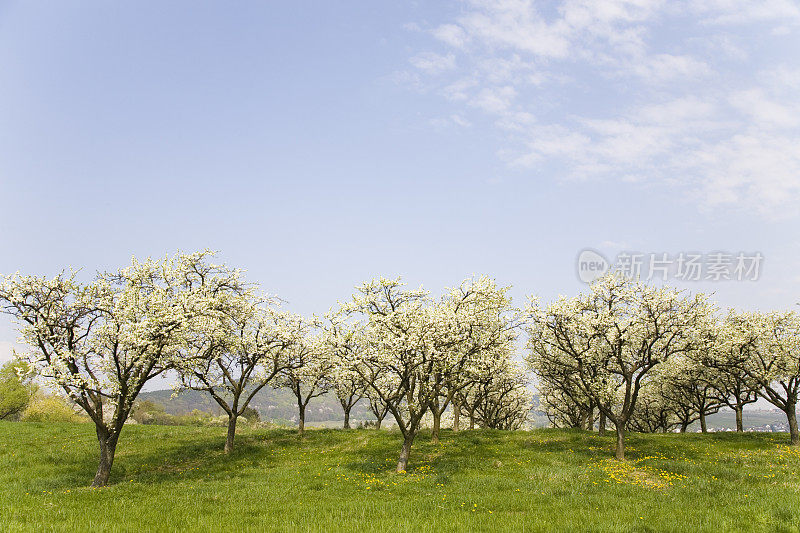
{"x":168,"y":478}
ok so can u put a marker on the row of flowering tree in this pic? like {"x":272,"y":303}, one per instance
{"x":654,"y":358}
{"x":401,"y":350}
{"x":417,"y":355}
{"x":644,"y":358}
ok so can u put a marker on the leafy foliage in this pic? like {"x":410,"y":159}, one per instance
{"x":16,"y":389}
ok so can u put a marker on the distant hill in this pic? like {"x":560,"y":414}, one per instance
{"x":279,"y":404}
{"x":758,"y":419}
{"x":272,"y":404}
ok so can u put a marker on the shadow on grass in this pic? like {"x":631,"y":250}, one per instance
{"x":164,"y":455}
{"x":201,"y":457}
{"x":380,"y":451}
{"x":578,"y":443}
{"x":676,"y":446}
{"x":456,"y":452}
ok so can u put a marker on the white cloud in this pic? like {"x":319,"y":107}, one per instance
{"x":495,"y":100}
{"x":634,"y":90}
{"x":764,"y":111}
{"x":460,"y":89}
{"x":433,"y":63}
{"x":786,"y":12}
{"x":451,"y":34}
{"x":661,"y":68}
{"x":458,"y":120}
{"x":516,"y":121}
{"x":553,"y":140}
{"x":453,"y":120}
{"x":757,"y":170}
{"x":782,"y":77}
{"x":514,"y":24}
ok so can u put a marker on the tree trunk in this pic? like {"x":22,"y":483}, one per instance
{"x":402,"y":463}
{"x":590,"y":420}
{"x":108,"y":446}
{"x":620,"y":451}
{"x":347,"y":418}
{"x":456,"y":416}
{"x":791,"y":415}
{"x":472,"y":420}
{"x":684,"y":426}
{"x":378,"y":421}
{"x":739,"y":421}
{"x":231,"y":433}
{"x":703,"y":426}
{"x":437,"y":422}
{"x":301,"y":424}
{"x":601,"y":430}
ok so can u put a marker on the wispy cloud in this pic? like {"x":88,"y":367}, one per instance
{"x":433,"y":63}
{"x":453,"y":120}
{"x":633,"y":90}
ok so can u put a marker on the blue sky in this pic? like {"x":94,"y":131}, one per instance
{"x":319,"y":144}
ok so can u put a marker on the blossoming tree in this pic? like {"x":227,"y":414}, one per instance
{"x":238,"y":352}
{"x":611,"y":339}
{"x":102,"y":341}
{"x":505,"y":399}
{"x":477,"y":339}
{"x":765,"y":347}
{"x":343,"y":342}
{"x":416,"y":347}
{"x":689,"y":389}
{"x":310,"y":375}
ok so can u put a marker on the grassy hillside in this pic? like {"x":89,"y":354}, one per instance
{"x":177,"y":477}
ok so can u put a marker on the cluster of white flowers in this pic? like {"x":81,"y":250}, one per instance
{"x":652,"y":359}
{"x":416,"y":355}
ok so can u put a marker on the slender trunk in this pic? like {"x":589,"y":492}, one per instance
{"x":684,"y":426}
{"x":791,"y":415}
{"x":739,"y":421}
{"x":347,"y":418}
{"x":402,"y":463}
{"x":437,"y":422}
{"x":590,"y":420}
{"x":601,"y":430}
{"x":456,"y":416}
{"x":620,"y":451}
{"x":378,"y":416}
{"x":472,"y":420}
{"x":703,"y":426}
{"x":301,"y":424}
{"x":108,"y":446}
{"x":231,"y":433}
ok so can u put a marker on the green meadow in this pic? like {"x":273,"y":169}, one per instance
{"x":176,"y":477}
